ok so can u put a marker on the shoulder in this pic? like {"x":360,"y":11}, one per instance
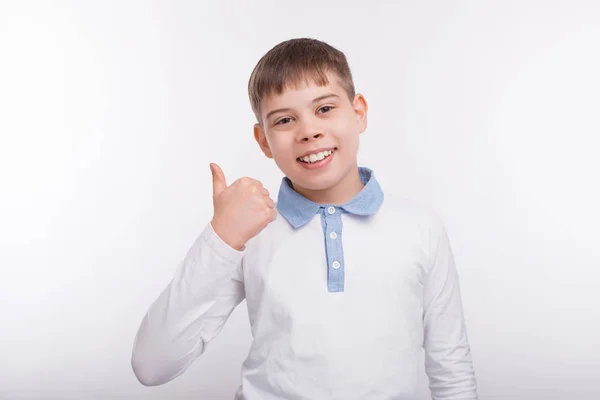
{"x":411,"y":214}
{"x":398,"y":206}
{"x":418,"y":223}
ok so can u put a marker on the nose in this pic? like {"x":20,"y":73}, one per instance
{"x":307,"y":133}
{"x":306,"y":138}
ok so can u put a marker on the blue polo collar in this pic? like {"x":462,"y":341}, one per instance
{"x":298,"y":210}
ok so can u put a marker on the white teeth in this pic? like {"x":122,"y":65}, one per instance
{"x":311,"y":158}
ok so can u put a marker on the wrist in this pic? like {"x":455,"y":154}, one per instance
{"x":227,"y":236}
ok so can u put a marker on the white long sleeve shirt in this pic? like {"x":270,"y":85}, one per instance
{"x":341,"y":300}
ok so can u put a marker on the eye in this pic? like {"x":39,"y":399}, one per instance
{"x":283,"y":121}
{"x":326,"y":109}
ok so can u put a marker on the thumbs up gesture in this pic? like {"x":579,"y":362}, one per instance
{"x":241,"y":210}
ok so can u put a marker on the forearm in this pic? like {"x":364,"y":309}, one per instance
{"x":448,"y":358}
{"x":189,"y":312}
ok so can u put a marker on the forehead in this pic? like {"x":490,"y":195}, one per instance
{"x":301,"y":93}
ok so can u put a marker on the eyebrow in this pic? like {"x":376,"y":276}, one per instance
{"x":326,"y":96}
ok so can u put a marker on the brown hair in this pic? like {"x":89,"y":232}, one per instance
{"x":292,"y":61}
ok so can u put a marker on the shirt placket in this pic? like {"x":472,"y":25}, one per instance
{"x":331,"y":218}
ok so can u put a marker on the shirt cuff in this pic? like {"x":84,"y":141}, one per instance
{"x":222,"y":249}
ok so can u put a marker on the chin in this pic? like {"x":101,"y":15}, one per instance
{"x":323,"y":182}
{"x":314,"y":186}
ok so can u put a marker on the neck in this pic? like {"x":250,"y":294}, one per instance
{"x":341,"y":193}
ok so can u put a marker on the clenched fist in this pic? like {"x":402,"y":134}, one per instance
{"x":241,"y":210}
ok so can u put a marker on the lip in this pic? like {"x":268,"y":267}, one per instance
{"x":317,"y":151}
{"x":319,"y":164}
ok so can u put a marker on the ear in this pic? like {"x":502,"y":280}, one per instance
{"x":360,"y":109}
{"x":261,"y":139}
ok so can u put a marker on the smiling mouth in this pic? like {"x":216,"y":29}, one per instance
{"x":316,"y":157}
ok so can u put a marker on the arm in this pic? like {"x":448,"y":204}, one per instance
{"x":190,"y":312}
{"x":448,"y":360}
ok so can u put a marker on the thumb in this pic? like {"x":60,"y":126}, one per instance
{"x":219,"y":183}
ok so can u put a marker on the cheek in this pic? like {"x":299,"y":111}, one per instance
{"x":347,"y":126}
{"x":280,"y":149}
{"x":349,"y":132}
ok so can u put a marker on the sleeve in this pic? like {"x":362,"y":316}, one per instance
{"x":448,"y":361}
{"x":190,"y":311}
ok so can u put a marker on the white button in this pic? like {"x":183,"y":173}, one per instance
{"x":336,"y":264}
{"x":331,"y":210}
{"x":333,"y":235}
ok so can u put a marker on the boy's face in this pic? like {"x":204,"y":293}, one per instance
{"x":313,"y":120}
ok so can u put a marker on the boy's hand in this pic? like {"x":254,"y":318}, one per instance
{"x":241,"y":210}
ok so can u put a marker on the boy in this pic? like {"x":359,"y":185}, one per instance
{"x":343,"y":289}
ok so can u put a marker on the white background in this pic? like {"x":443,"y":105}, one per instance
{"x":110,"y":112}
